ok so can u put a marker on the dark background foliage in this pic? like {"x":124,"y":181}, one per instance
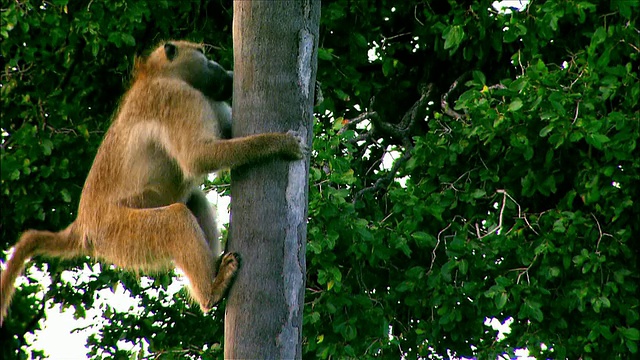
{"x":513,"y":194}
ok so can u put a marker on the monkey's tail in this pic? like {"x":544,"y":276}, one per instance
{"x":34,"y":242}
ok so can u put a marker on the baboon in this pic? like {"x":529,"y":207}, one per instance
{"x":141,"y":207}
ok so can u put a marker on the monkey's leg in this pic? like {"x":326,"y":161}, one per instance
{"x":204,"y":213}
{"x":148,"y":238}
{"x":63,"y":244}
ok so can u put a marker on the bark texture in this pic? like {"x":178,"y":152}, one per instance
{"x":275,"y":55}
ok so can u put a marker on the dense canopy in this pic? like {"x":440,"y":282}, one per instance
{"x":469,"y":164}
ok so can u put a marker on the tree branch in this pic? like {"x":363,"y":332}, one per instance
{"x":444,"y":102}
{"x":401,"y":130}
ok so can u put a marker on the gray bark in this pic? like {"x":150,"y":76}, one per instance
{"x":275,"y":55}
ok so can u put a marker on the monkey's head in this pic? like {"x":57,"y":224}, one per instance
{"x":186,"y":61}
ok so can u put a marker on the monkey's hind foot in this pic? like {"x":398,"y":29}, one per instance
{"x":229,"y":265}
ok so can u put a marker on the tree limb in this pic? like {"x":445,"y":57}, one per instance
{"x":444,"y":102}
{"x":402,"y":131}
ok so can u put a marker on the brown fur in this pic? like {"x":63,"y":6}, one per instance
{"x":141,"y":207}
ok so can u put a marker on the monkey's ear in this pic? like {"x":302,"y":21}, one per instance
{"x":138,"y":66}
{"x":170,"y":51}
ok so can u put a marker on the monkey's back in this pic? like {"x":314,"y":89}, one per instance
{"x":142,"y":173}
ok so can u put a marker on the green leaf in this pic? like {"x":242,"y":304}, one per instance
{"x":532,"y":310}
{"x":478,"y":193}
{"x":463,"y":266}
{"x":66,"y":196}
{"x":597,"y":140}
{"x":359,"y":40}
{"x":630,"y":333}
{"x":519,"y":84}
{"x":501,"y":300}
{"x":619,"y":275}
{"x":95,"y":49}
{"x":503,"y":281}
{"x":325,"y":54}
{"x":515,"y":105}
{"x":604,"y":59}
{"x":624,"y":6}
{"x":599,"y":36}
{"x":453,"y":36}
{"x":554,"y":271}
{"x":128,"y":39}
{"x":479,"y":77}
{"x":388,"y":66}
{"x":47,"y":146}
{"x":559,"y":227}
{"x":576,"y":136}
{"x":337,"y":275}
{"x":423,"y":239}
{"x":546,"y":130}
{"x":510,"y":35}
{"x":342,"y":96}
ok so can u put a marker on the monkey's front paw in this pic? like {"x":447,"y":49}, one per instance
{"x":297,"y":147}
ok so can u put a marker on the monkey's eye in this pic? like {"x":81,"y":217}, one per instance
{"x":170,"y":50}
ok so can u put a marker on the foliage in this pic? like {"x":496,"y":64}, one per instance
{"x":513,"y":193}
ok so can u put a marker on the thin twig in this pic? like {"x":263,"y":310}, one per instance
{"x":385,"y":180}
{"x":415,"y":15}
{"x":525,"y":271}
{"x":529,"y":225}
{"x":496,"y":86}
{"x":351,"y":123}
{"x":500,"y":225}
{"x":395,"y":36}
{"x":444,"y":101}
{"x":576,"y":79}
{"x":600,"y":236}
{"x":520,"y":62}
{"x":433,"y":253}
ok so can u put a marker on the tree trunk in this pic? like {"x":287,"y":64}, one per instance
{"x":275,"y":55}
